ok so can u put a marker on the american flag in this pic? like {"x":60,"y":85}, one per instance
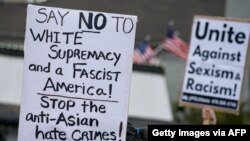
{"x":143,"y":53}
{"x":176,"y":45}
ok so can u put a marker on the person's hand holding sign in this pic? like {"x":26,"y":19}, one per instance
{"x":208,"y":116}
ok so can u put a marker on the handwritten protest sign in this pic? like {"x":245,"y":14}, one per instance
{"x":77,"y":73}
{"x":216,"y":63}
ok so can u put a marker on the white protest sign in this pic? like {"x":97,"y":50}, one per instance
{"x":77,"y":73}
{"x":216,"y":63}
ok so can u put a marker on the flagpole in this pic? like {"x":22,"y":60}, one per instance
{"x":157,"y":50}
{"x":160,"y":47}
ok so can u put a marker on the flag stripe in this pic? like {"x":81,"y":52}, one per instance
{"x":143,"y":57}
{"x":176,"y":46}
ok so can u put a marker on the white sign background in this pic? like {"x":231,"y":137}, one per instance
{"x":67,"y":93}
{"x":216,"y":63}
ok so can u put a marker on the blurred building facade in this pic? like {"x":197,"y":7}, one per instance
{"x":153,"y":16}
